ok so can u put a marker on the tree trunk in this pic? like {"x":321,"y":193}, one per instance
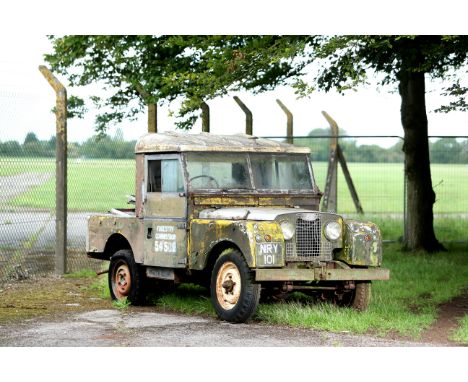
{"x":420,"y":195}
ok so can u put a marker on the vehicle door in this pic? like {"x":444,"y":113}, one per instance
{"x":165,"y":212}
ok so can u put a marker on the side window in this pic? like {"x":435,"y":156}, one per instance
{"x":165,"y":175}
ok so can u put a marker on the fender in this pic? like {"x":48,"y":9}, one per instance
{"x":205,"y":234}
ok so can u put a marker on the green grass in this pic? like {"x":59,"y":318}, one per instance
{"x":82,"y":273}
{"x":93,"y":185}
{"x":121,"y":304}
{"x":461,"y":334}
{"x":13,"y":166}
{"x":100,"y":286}
{"x":187,"y":298}
{"x":380,"y":187}
{"x":405,"y":305}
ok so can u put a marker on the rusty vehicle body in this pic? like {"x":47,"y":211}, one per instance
{"x":239,"y":214}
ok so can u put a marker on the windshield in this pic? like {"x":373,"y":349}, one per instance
{"x":280,"y":172}
{"x":229,"y":171}
{"x":218,"y":171}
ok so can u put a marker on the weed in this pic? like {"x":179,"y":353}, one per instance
{"x":83,"y":273}
{"x":121,"y":304}
{"x":100,"y":286}
{"x":461,"y":334}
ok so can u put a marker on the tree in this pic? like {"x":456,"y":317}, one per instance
{"x":30,"y":138}
{"x":446,"y":150}
{"x":199,"y":68}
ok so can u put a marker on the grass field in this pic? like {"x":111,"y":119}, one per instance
{"x":93,"y":185}
{"x":98,"y":185}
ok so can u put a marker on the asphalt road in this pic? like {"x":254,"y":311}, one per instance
{"x":19,"y":227}
{"x":148,"y":328}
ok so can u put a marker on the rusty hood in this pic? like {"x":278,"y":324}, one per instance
{"x":248,"y":213}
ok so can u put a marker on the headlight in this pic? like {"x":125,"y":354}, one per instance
{"x":333,"y":231}
{"x":288,"y":230}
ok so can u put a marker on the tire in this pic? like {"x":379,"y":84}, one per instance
{"x":359,"y":298}
{"x":126,"y":278}
{"x":362,"y":296}
{"x":234,"y":294}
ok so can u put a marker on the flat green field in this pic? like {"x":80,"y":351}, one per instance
{"x":380,"y":187}
{"x":93,"y":185}
{"x":99,"y":185}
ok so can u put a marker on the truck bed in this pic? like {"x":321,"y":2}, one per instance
{"x":116,"y":226}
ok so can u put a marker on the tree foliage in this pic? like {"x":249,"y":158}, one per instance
{"x":136,"y":70}
{"x":194,"y":69}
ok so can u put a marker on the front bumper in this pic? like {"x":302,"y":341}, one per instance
{"x":322,"y":274}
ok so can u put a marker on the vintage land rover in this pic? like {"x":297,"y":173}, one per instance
{"x":239,"y":214}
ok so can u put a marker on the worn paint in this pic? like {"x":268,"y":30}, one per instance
{"x":165,"y":243}
{"x":199,"y":202}
{"x":321,"y":274}
{"x":362,"y":244}
{"x":102,"y":227}
{"x":205,"y":234}
{"x":162,"y":204}
{"x":180,"y":142}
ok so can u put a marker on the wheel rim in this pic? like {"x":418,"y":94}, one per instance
{"x":228,"y":285}
{"x":122,"y":281}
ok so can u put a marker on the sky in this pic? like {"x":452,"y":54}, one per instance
{"x":26,"y":100}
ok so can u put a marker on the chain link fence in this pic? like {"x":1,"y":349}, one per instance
{"x":102,"y":174}
{"x":96,"y":183}
{"x":376,"y":165}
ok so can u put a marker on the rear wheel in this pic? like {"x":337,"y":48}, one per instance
{"x":126,"y":278}
{"x":234,"y":294}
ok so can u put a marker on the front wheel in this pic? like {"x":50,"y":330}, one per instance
{"x":359,"y":298}
{"x":234,"y":294}
{"x":126,"y":278}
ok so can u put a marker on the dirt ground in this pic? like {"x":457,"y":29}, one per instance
{"x":69,"y":312}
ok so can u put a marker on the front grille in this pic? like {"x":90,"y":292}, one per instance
{"x":308,"y":237}
{"x":308,"y":244}
{"x":289,"y":249}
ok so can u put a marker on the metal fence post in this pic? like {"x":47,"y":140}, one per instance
{"x":61,"y":172}
{"x":289,"y":123}
{"x":248,"y":116}
{"x":330,"y":202}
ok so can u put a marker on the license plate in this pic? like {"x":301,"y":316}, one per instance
{"x":269,"y":254}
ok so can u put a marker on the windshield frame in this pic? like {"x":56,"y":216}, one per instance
{"x":313,"y":190}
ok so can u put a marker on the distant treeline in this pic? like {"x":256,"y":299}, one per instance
{"x":103,"y":147}
{"x":444,"y":150}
